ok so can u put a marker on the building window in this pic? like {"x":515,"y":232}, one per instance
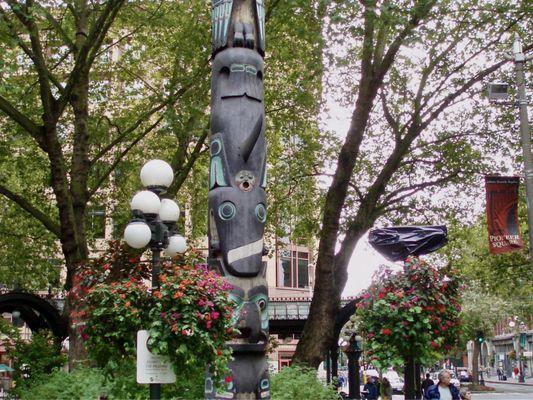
{"x":293,"y":269}
{"x":284,"y":359}
{"x":96,"y":222}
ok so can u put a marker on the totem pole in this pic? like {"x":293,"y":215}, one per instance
{"x":237,"y":182}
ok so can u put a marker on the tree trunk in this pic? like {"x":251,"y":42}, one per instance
{"x":475,"y":362}
{"x":409,"y":379}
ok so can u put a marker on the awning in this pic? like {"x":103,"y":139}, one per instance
{"x":6,"y":368}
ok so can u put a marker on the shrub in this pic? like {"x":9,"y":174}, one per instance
{"x":189,"y":317}
{"x":300,"y":383}
{"x":82,"y":384}
{"x":33,"y":359}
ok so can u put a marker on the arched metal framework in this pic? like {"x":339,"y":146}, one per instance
{"x":35,"y":311}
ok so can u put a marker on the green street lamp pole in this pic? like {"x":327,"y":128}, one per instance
{"x":519,"y":61}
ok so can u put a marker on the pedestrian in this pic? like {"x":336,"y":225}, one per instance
{"x":444,"y":389}
{"x":341,"y":381}
{"x":516,"y":373}
{"x":385,"y":389}
{"x":465,"y":394}
{"x":371,"y":389}
{"x":499,"y":373}
{"x":426,"y":383}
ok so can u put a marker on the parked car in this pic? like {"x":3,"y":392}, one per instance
{"x":464,"y":375}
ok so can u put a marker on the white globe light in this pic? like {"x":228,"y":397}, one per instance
{"x":170,"y":211}
{"x":137,"y":234}
{"x":512,"y":324}
{"x":146,"y":201}
{"x":176,"y":245}
{"x":157,"y":173}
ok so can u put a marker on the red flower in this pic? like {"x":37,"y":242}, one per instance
{"x":386,"y":331}
{"x":434,"y":344}
{"x":228,"y":379}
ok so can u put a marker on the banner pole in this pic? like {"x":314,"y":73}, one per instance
{"x":519,"y":60}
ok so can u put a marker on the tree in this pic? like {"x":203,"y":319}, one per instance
{"x":410,"y":317}
{"x":480,"y":313}
{"x":410,"y":133}
{"x":83,"y":84}
{"x":55,"y":98}
{"x":504,"y":276}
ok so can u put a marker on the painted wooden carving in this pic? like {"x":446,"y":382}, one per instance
{"x":237,"y":183}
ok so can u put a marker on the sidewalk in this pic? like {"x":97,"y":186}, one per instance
{"x":510,"y":381}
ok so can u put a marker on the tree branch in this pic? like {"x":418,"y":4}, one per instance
{"x":28,"y":125}
{"x":184,"y":170}
{"x":23,"y":203}
{"x":106,"y":174}
{"x":57,"y":26}
{"x":414,"y":188}
{"x":27,"y":19}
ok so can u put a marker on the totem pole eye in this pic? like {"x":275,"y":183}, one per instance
{"x":216,"y":146}
{"x":260,"y":213}
{"x":262,"y":304}
{"x":227,"y":210}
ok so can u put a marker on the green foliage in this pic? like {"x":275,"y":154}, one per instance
{"x":81,"y":384}
{"x":34,"y":359}
{"x":505,"y":279}
{"x":480,"y":312}
{"x":189,"y":316}
{"x":300,"y":383}
{"x":91,"y":383}
{"x":410,"y":314}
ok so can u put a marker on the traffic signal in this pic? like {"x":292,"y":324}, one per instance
{"x":480,"y":337}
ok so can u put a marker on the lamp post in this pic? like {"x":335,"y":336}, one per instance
{"x":154,"y":225}
{"x":498,"y":91}
{"x":353,"y":351}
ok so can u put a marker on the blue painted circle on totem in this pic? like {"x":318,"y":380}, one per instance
{"x":227,"y":210}
{"x":216,"y":146}
{"x":260,"y":212}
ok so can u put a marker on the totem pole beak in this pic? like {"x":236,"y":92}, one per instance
{"x":249,"y":325}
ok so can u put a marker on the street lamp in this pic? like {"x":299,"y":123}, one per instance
{"x":154,"y":225}
{"x":353,"y":351}
{"x":499,"y":91}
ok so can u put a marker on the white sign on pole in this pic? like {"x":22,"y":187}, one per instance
{"x":528,"y":353}
{"x":152,"y":368}
{"x":501,"y":357}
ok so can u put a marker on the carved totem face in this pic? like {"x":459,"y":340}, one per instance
{"x":237,"y":199}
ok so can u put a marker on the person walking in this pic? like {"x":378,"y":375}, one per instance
{"x":499,"y":373}
{"x":444,"y":389}
{"x":385,"y":389}
{"x":370,"y":389}
{"x":426,"y":383}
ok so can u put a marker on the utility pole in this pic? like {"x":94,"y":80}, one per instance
{"x":519,"y":61}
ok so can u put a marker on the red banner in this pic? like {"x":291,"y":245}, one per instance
{"x":502,"y":213}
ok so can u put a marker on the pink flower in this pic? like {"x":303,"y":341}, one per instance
{"x":214,"y":315}
{"x":209,"y":324}
{"x":366,"y":296}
